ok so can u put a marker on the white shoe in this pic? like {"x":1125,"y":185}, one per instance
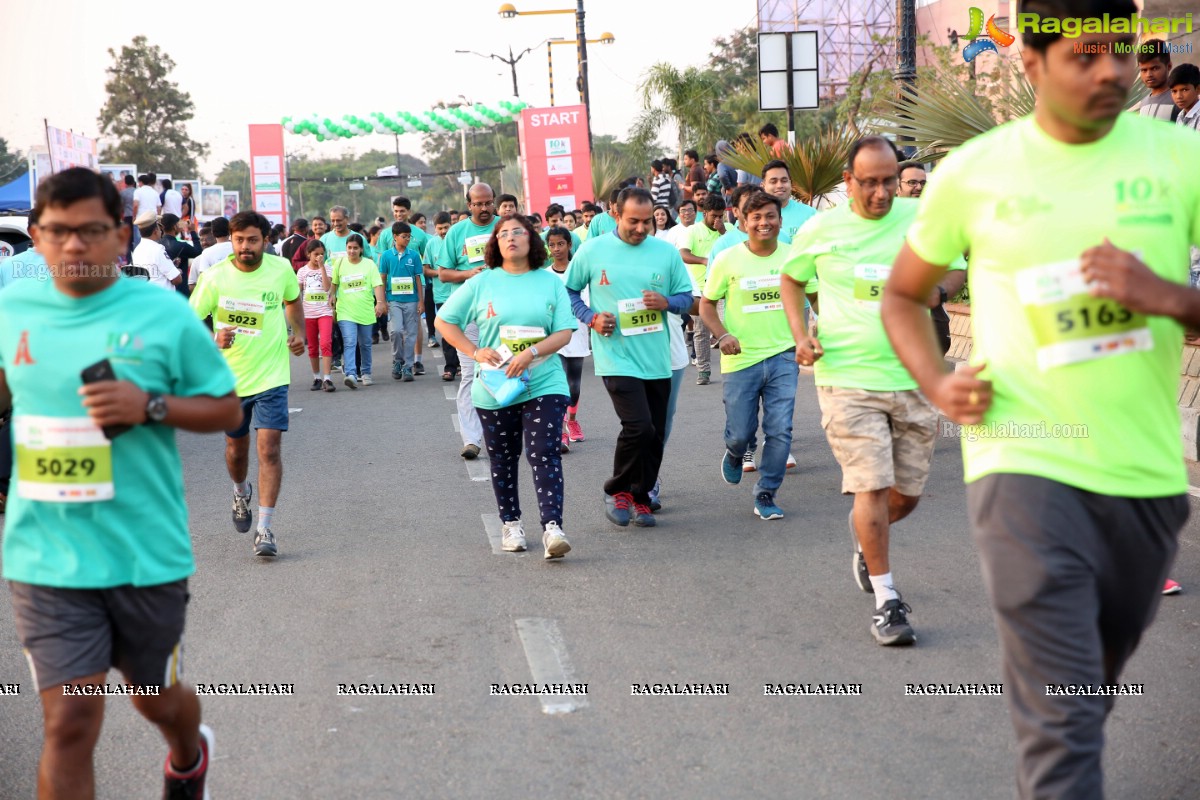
{"x":748,"y":462}
{"x":791,"y":462}
{"x":512,"y":539}
{"x":366,"y":381}
{"x":554,"y":541}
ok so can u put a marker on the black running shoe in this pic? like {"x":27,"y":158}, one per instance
{"x":191,"y":787}
{"x":241,"y":511}
{"x":890,"y":625}
{"x":418,"y":368}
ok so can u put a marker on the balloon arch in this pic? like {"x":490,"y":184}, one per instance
{"x":479,"y":115}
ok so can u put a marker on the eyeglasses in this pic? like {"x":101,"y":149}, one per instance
{"x":872,"y":184}
{"x":512,"y":233}
{"x":912,"y":184}
{"x":89,"y":234}
{"x":484,"y":204}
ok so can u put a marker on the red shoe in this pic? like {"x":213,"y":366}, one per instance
{"x":190,"y":786}
{"x":565,"y":447}
{"x":574,"y":431}
{"x":1171,"y":587}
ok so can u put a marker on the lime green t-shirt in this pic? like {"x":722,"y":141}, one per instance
{"x":733,"y":237}
{"x":615,"y":275}
{"x":441,"y":291}
{"x":750,"y":285}
{"x":854,"y":257}
{"x":463,"y":247}
{"x":253,"y":303}
{"x":85,"y":512}
{"x":581,"y":233}
{"x":355,"y":285}
{"x":1055,"y":355}
{"x":517,"y":311}
{"x":701,"y":239}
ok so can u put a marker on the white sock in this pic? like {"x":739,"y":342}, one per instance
{"x":265,"y":515}
{"x":316,"y":376}
{"x":325,"y":377}
{"x":882,"y":584}
{"x":242,"y":488}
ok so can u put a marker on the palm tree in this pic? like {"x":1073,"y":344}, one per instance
{"x":815,"y":163}
{"x":690,"y":98}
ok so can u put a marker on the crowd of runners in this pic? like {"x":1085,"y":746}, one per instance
{"x":1079,"y":303}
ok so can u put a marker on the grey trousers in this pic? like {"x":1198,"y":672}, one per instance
{"x":1074,"y":578}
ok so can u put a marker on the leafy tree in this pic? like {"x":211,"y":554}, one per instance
{"x":691,"y":98}
{"x":485,"y":147}
{"x":146,"y":113}
{"x":11,"y":163}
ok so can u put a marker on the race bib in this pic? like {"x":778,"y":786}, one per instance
{"x":245,"y":316}
{"x":519,"y":338}
{"x":352,"y":284}
{"x":402,"y":285}
{"x":62,"y":460}
{"x":869,"y":280}
{"x":1071,"y":326}
{"x":760,"y":294}
{"x":316,"y":297}
{"x":474,"y":246}
{"x":635,"y":319}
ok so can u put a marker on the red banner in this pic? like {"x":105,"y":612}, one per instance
{"x":268,"y":173}
{"x":555,"y":158}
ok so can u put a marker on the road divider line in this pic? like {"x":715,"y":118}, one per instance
{"x":549,"y":663}
{"x":479,"y":469}
{"x":450,"y":390}
{"x":494,"y":530}
{"x":1194,"y":491}
{"x":454,"y":421}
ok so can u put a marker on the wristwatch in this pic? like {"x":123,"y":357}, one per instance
{"x":156,"y":408}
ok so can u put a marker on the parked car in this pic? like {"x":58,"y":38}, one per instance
{"x":14,"y":235}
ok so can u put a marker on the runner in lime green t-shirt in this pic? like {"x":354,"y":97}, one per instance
{"x":358,"y":300}
{"x":756,"y":343}
{"x":1077,"y":486}
{"x":880,"y":428}
{"x":253,"y":299}
{"x":96,"y":546}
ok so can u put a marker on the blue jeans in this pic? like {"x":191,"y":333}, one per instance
{"x":773,"y":381}
{"x":352,"y":334}
{"x":676,"y":381}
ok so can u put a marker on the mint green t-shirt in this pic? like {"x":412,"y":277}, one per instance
{"x":750,"y":286}
{"x":795,"y":214}
{"x":441,"y":291}
{"x":84,"y":512}
{"x":1055,"y":355}
{"x":463,"y":247}
{"x":601,"y":224}
{"x":518,"y":311}
{"x":253,"y":303}
{"x":615,"y":275}
{"x":417,"y":242}
{"x":854,"y":257}
{"x":355,"y":285}
{"x":336,"y":245}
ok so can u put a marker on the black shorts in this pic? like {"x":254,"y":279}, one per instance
{"x":69,"y":634}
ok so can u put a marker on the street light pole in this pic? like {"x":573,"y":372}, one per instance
{"x":906,"y":56}
{"x":584,"y":93}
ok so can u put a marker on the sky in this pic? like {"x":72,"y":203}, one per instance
{"x":257,"y":62}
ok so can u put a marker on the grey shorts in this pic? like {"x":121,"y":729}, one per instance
{"x":72,"y":633}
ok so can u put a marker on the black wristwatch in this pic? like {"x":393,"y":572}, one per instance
{"x":942,"y":294}
{"x":156,"y":408}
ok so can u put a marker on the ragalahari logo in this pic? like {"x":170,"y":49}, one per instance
{"x":995,"y":38}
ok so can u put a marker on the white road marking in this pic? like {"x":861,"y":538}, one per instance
{"x":454,"y":421}
{"x":491,"y":524}
{"x":451,"y":390}
{"x":479,"y":469}
{"x":546,"y":653}
{"x":295,"y":410}
{"x":1194,"y":491}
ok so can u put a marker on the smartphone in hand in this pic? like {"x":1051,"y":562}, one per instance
{"x":102,"y":371}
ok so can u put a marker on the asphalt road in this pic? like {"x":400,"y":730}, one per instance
{"x":387,"y":575}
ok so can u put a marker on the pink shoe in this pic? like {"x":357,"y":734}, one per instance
{"x":574,"y":431}
{"x":1171,"y":587}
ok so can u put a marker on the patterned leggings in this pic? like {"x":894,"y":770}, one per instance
{"x":540,"y":420}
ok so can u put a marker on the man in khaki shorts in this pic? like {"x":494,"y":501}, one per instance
{"x":881,"y":429}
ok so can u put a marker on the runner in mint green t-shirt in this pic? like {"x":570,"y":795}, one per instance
{"x":460,"y":259}
{"x":96,"y":547}
{"x":757,"y":349}
{"x":1076,"y":482}
{"x":880,"y":428}
{"x":524,"y":318}
{"x":632,"y":279}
